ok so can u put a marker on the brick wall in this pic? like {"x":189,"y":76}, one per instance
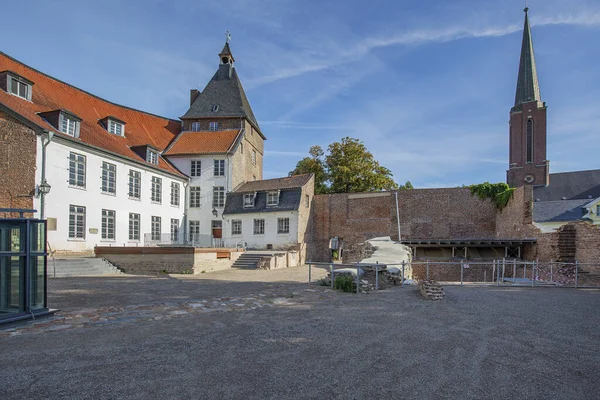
{"x":17,"y":164}
{"x":424,"y":214}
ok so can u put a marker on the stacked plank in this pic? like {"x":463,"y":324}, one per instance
{"x":431,"y":290}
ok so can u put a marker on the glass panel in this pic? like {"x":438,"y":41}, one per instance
{"x":38,"y":237}
{"x":11,"y":296}
{"x":38,"y":282}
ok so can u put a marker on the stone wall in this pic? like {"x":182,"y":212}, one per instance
{"x":173,"y":260}
{"x":17,"y":164}
{"x":424,"y":214}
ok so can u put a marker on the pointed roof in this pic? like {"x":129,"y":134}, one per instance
{"x":528,"y":87}
{"x":226,"y":51}
{"x":225,"y":91}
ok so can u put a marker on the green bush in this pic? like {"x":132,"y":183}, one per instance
{"x":345,"y":283}
{"x":499,"y":193}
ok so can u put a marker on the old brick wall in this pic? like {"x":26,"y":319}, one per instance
{"x":424,"y":214}
{"x":17,"y":164}
{"x":451,"y":213}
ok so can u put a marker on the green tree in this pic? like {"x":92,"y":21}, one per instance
{"x":407,"y":185}
{"x":315,"y":165}
{"x":348,"y":167}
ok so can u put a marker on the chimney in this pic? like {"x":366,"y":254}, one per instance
{"x":194,"y":93}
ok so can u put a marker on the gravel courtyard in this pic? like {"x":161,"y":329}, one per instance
{"x":269,"y":335}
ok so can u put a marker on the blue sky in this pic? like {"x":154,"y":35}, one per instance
{"x":427,"y":85}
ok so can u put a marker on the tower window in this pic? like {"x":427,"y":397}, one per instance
{"x":529,"y":140}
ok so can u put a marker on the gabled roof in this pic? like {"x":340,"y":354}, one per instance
{"x":289,"y":182}
{"x":528,"y":87}
{"x":50,"y":94}
{"x":558,"y":211}
{"x":289,"y":200}
{"x":224,"y":90}
{"x":577,"y":185}
{"x":203,"y":142}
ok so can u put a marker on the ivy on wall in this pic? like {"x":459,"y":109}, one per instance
{"x":500,"y":193}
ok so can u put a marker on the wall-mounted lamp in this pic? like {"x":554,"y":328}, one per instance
{"x":215,"y":212}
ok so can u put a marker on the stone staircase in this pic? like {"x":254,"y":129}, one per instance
{"x":84,"y":266}
{"x":248,"y":260}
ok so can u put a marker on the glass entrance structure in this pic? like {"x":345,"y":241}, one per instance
{"x":22,"y":267}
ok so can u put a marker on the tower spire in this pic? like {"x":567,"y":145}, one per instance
{"x":528,"y":87}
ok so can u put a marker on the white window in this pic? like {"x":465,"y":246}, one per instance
{"x":134,"y":226}
{"x":254,"y":158}
{"x":69,"y":126}
{"x":174,"y":194}
{"x":218,"y":196}
{"x":196,"y":126}
{"x":76,"y":170}
{"x":76,"y":222}
{"x":116,"y":128}
{"x":249,"y":200}
{"x":20,"y":88}
{"x":156,"y":192}
{"x":307,"y":201}
{"x":194,"y":231}
{"x":196,"y":168}
{"x":135,"y":182}
{"x":108,"y":224}
{"x":155,"y":228}
{"x":195,"y":196}
{"x":259,"y":226}
{"x":152,"y":157}
{"x":236,"y":227}
{"x":213,"y":126}
{"x":109,"y":178}
{"x":283,"y":225}
{"x":215,"y":108}
{"x":219,"y":168}
{"x":272,"y":198}
{"x":174,"y":230}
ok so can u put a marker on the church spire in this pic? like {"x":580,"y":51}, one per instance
{"x":528,"y":87}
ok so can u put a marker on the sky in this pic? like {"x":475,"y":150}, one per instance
{"x":426,"y":85}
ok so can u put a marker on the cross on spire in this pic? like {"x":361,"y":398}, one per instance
{"x":227,"y":37}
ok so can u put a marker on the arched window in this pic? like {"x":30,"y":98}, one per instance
{"x":529,"y":140}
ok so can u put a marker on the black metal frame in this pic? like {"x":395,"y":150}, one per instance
{"x":29,"y":278}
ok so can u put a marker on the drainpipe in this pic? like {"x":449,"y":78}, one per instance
{"x":398,"y":216}
{"x":44,"y":184}
{"x":185,"y":209}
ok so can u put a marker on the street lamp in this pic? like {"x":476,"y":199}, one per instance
{"x":215,"y":212}
{"x":44,"y":188}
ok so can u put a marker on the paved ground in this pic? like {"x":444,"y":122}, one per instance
{"x":262,"y":334}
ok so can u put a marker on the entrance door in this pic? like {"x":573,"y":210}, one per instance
{"x":217,"y":233}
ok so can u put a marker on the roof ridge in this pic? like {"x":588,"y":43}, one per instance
{"x":85,"y":91}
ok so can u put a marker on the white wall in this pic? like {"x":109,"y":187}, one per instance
{"x":61,"y":196}
{"x":206,"y":181}
{"x":270,"y":237}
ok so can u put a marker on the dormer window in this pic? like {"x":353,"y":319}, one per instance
{"x":115,"y":127}
{"x":213,"y":126}
{"x":196,"y":126}
{"x":249,"y":200}
{"x":215,"y":108}
{"x":272,"y":199}
{"x":152,"y":157}
{"x":16,"y":85}
{"x":69,"y":124}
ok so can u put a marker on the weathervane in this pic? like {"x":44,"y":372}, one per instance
{"x":227,"y":37}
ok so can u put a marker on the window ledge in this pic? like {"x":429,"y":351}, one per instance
{"x":108,"y":240}
{"x":135,"y":198}
{"x":175,"y":205}
{"x":108,"y":193}
{"x":76,"y":240}
{"x":77,"y":187}
{"x":155,"y":202}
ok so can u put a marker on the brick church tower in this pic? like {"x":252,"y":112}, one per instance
{"x":527,"y":149}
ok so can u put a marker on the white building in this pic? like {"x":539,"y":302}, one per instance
{"x":272,"y":214}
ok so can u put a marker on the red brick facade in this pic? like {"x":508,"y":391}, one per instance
{"x":17,"y":164}
{"x":524,"y":169}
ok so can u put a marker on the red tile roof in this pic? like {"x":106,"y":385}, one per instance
{"x":49,"y":94}
{"x":289,"y":182}
{"x":203,"y":142}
